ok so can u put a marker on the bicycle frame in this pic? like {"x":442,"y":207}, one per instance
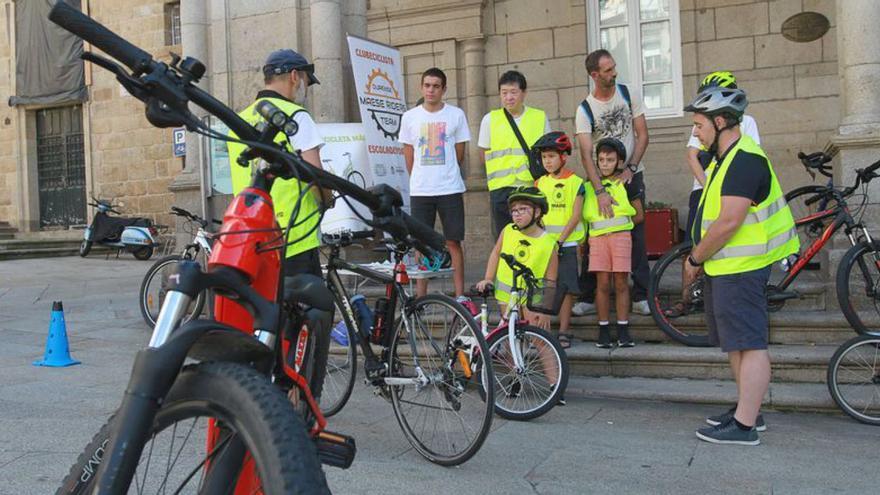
{"x":842,"y":219}
{"x":375,"y":366}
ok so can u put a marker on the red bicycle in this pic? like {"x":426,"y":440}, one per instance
{"x":677,"y":306}
{"x":209,"y":404}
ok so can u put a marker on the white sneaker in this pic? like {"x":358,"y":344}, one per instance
{"x":583,"y":308}
{"x":641,"y":307}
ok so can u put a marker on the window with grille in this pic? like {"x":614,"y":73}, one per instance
{"x":644,"y":36}
{"x":172,"y":23}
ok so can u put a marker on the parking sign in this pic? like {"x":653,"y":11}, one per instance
{"x":179,"y":145}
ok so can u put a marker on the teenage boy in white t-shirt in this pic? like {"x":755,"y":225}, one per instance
{"x":434,"y":136}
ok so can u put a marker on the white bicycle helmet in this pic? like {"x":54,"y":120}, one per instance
{"x":717,"y":100}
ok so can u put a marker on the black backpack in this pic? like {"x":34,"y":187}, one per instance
{"x":624,"y":91}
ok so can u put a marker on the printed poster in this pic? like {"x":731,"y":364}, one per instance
{"x":345,"y":154}
{"x":378,"y":79}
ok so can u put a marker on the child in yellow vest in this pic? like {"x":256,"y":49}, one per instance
{"x":565,"y":198}
{"x":611,"y":243}
{"x":527,"y":241}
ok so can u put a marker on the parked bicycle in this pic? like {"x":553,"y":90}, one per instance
{"x":854,"y":378}
{"x":155,"y":285}
{"x":422,"y":364}
{"x":530,"y":366}
{"x":222,"y":423}
{"x":677,"y":307}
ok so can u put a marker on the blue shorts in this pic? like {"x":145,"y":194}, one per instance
{"x":736,"y":310}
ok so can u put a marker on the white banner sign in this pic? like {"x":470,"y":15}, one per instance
{"x":378,"y":78}
{"x":345,"y":154}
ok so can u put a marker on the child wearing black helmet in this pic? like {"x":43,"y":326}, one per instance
{"x":525,"y":239}
{"x":611,"y":243}
{"x":565,"y":197}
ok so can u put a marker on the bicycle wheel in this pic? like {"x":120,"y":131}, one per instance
{"x":676,"y":307}
{"x":248,"y":407}
{"x":531,"y":392}
{"x":341,"y":361}
{"x":443,"y":411}
{"x":858,"y":287}
{"x":854,"y":378}
{"x":155,"y":286}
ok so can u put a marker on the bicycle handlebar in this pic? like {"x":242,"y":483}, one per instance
{"x":816,"y":161}
{"x":166,"y":90}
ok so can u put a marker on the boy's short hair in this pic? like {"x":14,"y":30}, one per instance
{"x":435,"y":72}
{"x":513,"y":77}
{"x":592,"y":60}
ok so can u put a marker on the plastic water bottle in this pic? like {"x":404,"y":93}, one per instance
{"x":363,"y":314}
{"x":340,"y":333}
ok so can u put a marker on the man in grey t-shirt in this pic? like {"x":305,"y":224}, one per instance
{"x":614,"y":110}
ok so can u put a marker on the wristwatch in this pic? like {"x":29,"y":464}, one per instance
{"x":692,"y":261}
{"x":633,"y":167}
{"x":601,"y":190}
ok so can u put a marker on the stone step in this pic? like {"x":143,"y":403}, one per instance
{"x":781,"y":396}
{"x":791,"y":363}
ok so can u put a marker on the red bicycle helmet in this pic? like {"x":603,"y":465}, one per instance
{"x":555,"y":140}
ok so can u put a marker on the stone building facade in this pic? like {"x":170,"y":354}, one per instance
{"x":804,"y":96}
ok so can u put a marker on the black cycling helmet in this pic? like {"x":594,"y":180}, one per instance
{"x":532,"y":195}
{"x":613,"y":143}
{"x":556,"y":140}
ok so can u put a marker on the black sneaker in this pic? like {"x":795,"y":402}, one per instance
{"x":716,"y":420}
{"x":729,"y":433}
{"x":623,"y":338}
{"x":604,"y":341}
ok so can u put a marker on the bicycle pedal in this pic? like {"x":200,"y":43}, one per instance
{"x":783,"y":296}
{"x":335,"y":449}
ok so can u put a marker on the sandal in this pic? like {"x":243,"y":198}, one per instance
{"x":677,"y":310}
{"x":565,"y":340}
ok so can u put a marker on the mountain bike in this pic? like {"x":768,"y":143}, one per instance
{"x":854,"y":378}
{"x":210,"y":395}
{"x":677,"y":307}
{"x":530,"y":366}
{"x":155,"y":284}
{"x":421,"y":365}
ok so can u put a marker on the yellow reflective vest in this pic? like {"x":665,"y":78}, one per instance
{"x":533,"y":252}
{"x":506,"y":163}
{"x":623,"y":210}
{"x":766,"y":235}
{"x":285,"y":193}
{"x":561,"y":193}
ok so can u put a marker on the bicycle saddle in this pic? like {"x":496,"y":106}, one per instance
{"x":309,"y":290}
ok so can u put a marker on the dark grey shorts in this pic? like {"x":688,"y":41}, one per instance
{"x":736,"y":310}
{"x":568,"y":270}
{"x":450,"y":207}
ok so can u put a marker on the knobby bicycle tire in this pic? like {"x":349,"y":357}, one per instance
{"x":459,"y":385}
{"x":239,"y":397}
{"x":852,"y":379}
{"x":867,"y":281}
{"x":195,"y":307}
{"x":510,"y":384}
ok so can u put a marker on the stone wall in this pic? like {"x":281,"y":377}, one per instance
{"x":793,"y":87}
{"x":8,"y":122}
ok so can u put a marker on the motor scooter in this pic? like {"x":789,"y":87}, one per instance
{"x":136,"y":235}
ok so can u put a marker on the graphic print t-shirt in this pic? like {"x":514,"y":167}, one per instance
{"x":613,"y":118}
{"x":433,"y":136}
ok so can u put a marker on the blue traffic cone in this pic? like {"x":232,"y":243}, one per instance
{"x":57,"y":348}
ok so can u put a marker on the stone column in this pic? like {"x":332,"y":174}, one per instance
{"x":858,"y":136}
{"x":475,"y":107}
{"x":858,"y":48}
{"x":355,"y":23}
{"x":327,"y":103}
{"x":186,"y":186}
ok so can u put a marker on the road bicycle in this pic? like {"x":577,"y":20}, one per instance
{"x":530,"y":366}
{"x":677,"y":307}
{"x":416,"y":352}
{"x":854,"y":378}
{"x":208,"y":396}
{"x":155,"y":285}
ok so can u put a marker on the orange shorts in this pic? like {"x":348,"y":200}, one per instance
{"x":611,"y":252}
